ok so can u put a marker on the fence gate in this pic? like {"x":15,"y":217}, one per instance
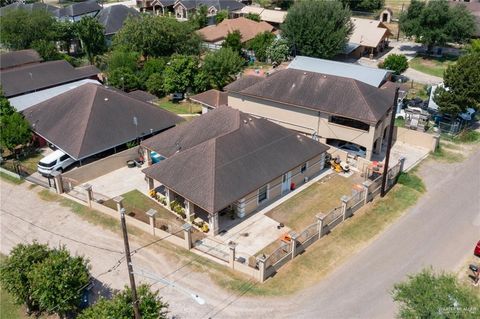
{"x":213,"y":248}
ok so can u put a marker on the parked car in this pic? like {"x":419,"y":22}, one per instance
{"x":353,"y":149}
{"x":177,"y":96}
{"x":56,"y":161}
{"x":476,"y":251}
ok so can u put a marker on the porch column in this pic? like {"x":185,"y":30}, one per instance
{"x":378,"y":146}
{"x":168,"y":197}
{"x":152,"y":213}
{"x":57,"y":176}
{"x":213,"y":223}
{"x":187,"y":231}
{"x":189,"y":209}
{"x":241,"y":208}
{"x":150,"y":183}
{"x":369,"y":154}
{"x":89,"y":193}
{"x":147,"y":157}
{"x":320,"y":219}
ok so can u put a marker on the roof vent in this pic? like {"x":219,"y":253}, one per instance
{"x":304,"y":73}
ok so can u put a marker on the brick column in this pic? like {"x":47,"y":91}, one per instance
{"x":187,"y":231}
{"x":150,"y":183}
{"x":189,"y":209}
{"x":366,"y":185}
{"x":345,"y":210}
{"x":147,"y":157}
{"x":320,"y":219}
{"x":213,"y":223}
{"x":119,"y":201}
{"x":57,"y":176}
{"x":231,"y":259}
{"x":89,"y":193}
{"x":293,"y":236}
{"x":152,"y":214}
{"x":261,"y":267}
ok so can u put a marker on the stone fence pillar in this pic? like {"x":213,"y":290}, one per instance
{"x":293,"y":236}
{"x":231,"y":259}
{"x":119,"y":201}
{"x":89,"y":194}
{"x":187,"y":231}
{"x":366,"y":186}
{"x":401,"y":160}
{"x":261,"y":268}
{"x":57,"y":176}
{"x":345,"y":209}
{"x":152,"y":214}
{"x":320,"y":222}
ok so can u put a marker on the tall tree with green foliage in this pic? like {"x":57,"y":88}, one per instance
{"x":461,"y":86}
{"x":221,"y":67}
{"x":14,"y":129}
{"x":19,"y":28}
{"x":91,"y":35}
{"x":364,"y":5}
{"x":397,"y":63}
{"x":57,"y":282}
{"x":430,"y":295}
{"x":253,"y":16}
{"x":200,"y":18}
{"x":317,"y":28}
{"x":156,"y":36}
{"x":260,"y":44}
{"x":179,"y":74}
{"x":14,"y":272}
{"x":154,"y":84}
{"x":474,"y":46}
{"x":47,"y":50}
{"x":120,"y":306}
{"x":124,"y":79}
{"x":221,"y":15}
{"x":122,"y":58}
{"x":436,"y":23}
{"x":152,"y":66}
{"x":233,"y":40}
{"x":278,"y":51}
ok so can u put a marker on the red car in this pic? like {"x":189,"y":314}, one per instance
{"x":476,"y":252}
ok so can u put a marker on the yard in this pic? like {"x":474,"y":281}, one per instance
{"x":28,"y":162}
{"x":299,"y":211}
{"x":137,"y":204}
{"x":432,"y":65}
{"x":179,"y":108}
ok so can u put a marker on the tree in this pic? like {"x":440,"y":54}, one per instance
{"x":462,"y":86}
{"x":260,"y":43}
{"x":201,"y":81}
{"x":474,"y":46}
{"x":222,"y":66}
{"x":200,"y":18}
{"x":318,"y":28}
{"x":233,"y":40}
{"x":122,"y":58}
{"x":436,"y":23}
{"x":364,"y":5}
{"x":91,"y":35}
{"x":123,"y":78}
{"x":14,"y":129}
{"x":152,"y":66}
{"x":428,"y":295}
{"x":120,"y":306}
{"x":47,"y":50}
{"x":15,"y":269}
{"x":154,"y":84}
{"x":253,"y":16}
{"x":278,"y":51}
{"x":264,"y":3}
{"x":397,"y":63}
{"x":179,"y":74}
{"x":57,"y":282}
{"x":221,"y":15}
{"x":19,"y":28}
{"x":155,"y":36}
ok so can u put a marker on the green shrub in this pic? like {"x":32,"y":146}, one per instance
{"x":397,"y":63}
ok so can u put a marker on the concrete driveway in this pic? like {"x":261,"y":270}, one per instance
{"x":413,"y":154}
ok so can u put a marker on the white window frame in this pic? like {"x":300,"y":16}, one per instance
{"x":266,"y":194}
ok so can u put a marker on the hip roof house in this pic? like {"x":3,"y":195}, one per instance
{"x":228,"y":160}
{"x":14,"y":59}
{"x":113,"y":17}
{"x":92,"y":118}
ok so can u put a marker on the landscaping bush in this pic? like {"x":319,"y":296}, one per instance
{"x":397,"y":63}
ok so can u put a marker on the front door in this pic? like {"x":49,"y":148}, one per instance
{"x":286,"y":180}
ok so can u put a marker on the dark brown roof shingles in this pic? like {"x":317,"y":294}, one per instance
{"x":19,"y":58}
{"x":212,"y":98}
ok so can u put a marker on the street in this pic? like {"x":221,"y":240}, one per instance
{"x":440,"y":231}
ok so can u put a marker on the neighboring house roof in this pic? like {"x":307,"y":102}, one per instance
{"x":39,"y":76}
{"x":28,"y":7}
{"x":243,"y":83}
{"x":474,"y":8}
{"x":142,"y":96}
{"x":113,"y":17}
{"x":211,"y":98}
{"x":273,"y":16}
{"x":17,"y":58}
{"x":163,"y":3}
{"x":225,"y":155}
{"x":372,"y":76}
{"x":230,"y":5}
{"x":367,"y":32}
{"x":78,"y":9}
{"x":247,"y":28}
{"x":325,"y":93}
{"x":92,"y":118}
{"x":23,"y":102}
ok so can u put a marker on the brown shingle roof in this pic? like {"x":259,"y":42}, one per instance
{"x":237,"y":158}
{"x":326,"y":93}
{"x":92,"y":118}
{"x":212,"y":98}
{"x":244,"y":82}
{"x":18,"y":58}
{"x":142,"y":96}
{"x":248,"y":29}
{"x":39,"y":76}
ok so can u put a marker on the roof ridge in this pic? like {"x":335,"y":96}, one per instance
{"x":90,"y":107}
{"x":363,"y":97}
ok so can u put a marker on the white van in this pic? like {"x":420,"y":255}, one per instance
{"x":56,"y":161}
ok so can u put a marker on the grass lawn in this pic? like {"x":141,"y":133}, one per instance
{"x":179,"y":108}
{"x":447,"y":153}
{"x":137,"y":204}
{"x":417,"y":90}
{"x":396,"y":6}
{"x":11,"y":179}
{"x":432,"y":65}
{"x":299,"y":211}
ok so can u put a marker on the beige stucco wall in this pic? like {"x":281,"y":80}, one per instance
{"x":249,"y":203}
{"x":308,"y":121}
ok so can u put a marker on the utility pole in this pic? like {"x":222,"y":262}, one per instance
{"x":136,"y":310}
{"x":389,"y":145}
{"x":398,"y":32}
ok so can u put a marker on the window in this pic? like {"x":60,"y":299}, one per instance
{"x":304,"y":168}
{"x":349,"y":122}
{"x":262,"y":194}
{"x":64,"y":157}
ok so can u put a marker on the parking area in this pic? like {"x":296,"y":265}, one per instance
{"x":413,"y":154}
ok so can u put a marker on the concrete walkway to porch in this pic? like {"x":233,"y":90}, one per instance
{"x":258,"y":230}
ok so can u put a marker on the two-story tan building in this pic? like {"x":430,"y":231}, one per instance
{"x":325,"y":107}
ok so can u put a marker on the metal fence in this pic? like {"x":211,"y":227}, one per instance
{"x":356,"y":201}
{"x":213,"y":248}
{"x":307,"y":233}
{"x":280,"y":253}
{"x":333,"y":216}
